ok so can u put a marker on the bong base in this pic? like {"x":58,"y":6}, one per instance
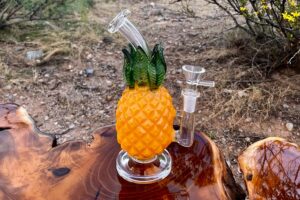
{"x":144,"y":172}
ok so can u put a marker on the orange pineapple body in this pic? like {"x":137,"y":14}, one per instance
{"x":144,"y":121}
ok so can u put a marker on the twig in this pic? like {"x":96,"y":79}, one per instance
{"x":231,"y":15}
{"x":290,"y":60}
{"x":172,"y":2}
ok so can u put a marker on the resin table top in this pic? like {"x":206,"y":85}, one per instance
{"x":33,"y":166}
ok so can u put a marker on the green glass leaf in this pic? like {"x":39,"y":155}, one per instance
{"x":132,"y":51}
{"x":128,"y":68}
{"x":152,"y":76}
{"x":160,"y":76}
{"x":154,"y":52}
{"x":158,"y":61}
{"x":141,"y":67}
{"x":161,"y":56}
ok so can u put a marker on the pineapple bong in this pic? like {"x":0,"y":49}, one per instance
{"x":145,"y":112}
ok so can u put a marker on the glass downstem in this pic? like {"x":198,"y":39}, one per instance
{"x":186,"y":137}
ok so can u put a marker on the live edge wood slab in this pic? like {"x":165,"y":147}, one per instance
{"x":33,"y":166}
{"x":271,"y":169}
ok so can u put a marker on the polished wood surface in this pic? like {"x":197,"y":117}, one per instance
{"x":33,"y":166}
{"x":271,"y":169}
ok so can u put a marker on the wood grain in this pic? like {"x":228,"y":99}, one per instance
{"x":33,"y":167}
{"x":271,"y":169}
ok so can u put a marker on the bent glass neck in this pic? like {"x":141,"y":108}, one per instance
{"x":128,"y":30}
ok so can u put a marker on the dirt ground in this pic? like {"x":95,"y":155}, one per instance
{"x":63,"y":98}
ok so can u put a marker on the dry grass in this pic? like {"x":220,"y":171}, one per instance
{"x":57,"y":43}
{"x":243,"y":94}
{"x":239,"y":106}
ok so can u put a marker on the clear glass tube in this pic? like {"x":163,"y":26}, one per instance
{"x":128,"y":30}
{"x":186,"y":132}
{"x":185,"y":135}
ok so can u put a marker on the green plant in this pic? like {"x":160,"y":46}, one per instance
{"x":17,"y":11}
{"x":269,"y":22}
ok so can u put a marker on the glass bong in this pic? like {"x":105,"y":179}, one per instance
{"x":144,"y":158}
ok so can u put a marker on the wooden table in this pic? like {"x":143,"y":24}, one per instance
{"x":33,"y":166}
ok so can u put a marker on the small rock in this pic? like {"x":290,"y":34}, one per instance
{"x":47,"y":75}
{"x":107,"y":40}
{"x":109,"y":98}
{"x":41,"y":80}
{"x":101,"y":112}
{"x":228,"y":91}
{"x":193,"y":34}
{"x":248,"y":119}
{"x":89,"y":56}
{"x":223,"y":140}
{"x":109,"y":83}
{"x":69,"y":117}
{"x":46,"y":118}
{"x":122,"y":85}
{"x":34,"y":55}
{"x":285,"y":105}
{"x":289,"y":126}
{"x":89,"y":72}
{"x":247,"y":139}
{"x":242,"y":93}
{"x":157,"y":12}
{"x":19,"y":48}
{"x":179,"y":82}
{"x":71,"y":126}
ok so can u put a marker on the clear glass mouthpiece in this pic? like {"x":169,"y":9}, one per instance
{"x":128,"y":30}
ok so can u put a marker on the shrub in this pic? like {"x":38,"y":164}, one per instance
{"x":271,"y":21}
{"x":17,"y":11}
